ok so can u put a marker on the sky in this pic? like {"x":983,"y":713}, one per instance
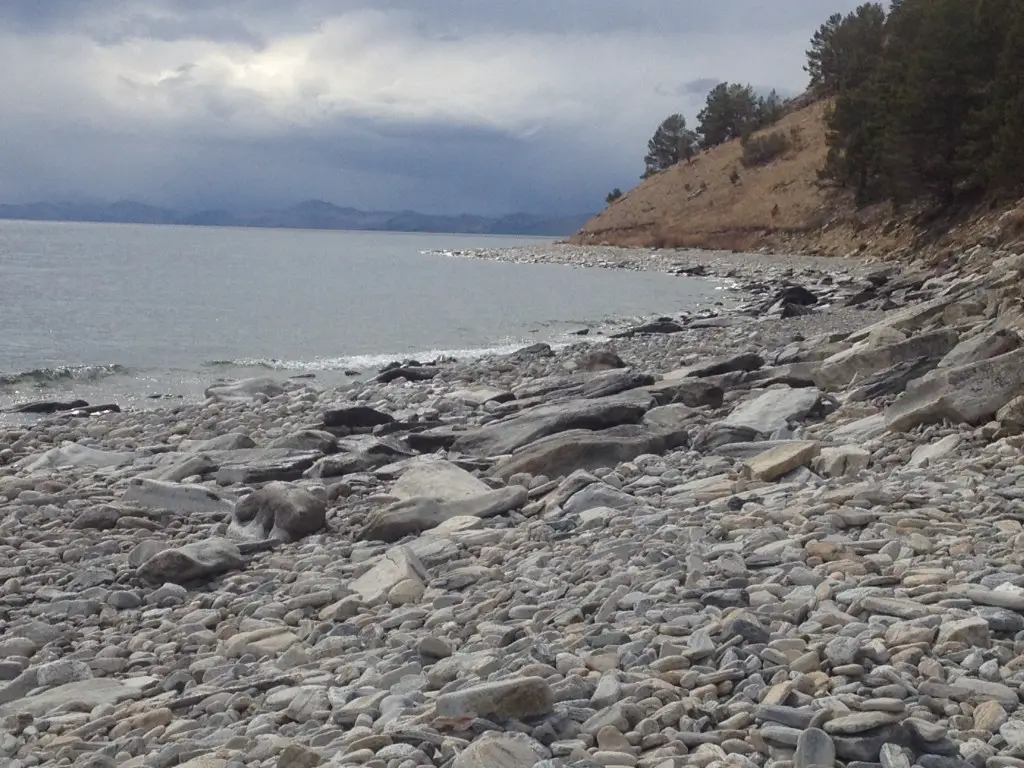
{"x":441,"y":106}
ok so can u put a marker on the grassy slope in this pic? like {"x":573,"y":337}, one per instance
{"x":669,"y":210}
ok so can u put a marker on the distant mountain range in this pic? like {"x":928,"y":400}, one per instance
{"x":312,"y":214}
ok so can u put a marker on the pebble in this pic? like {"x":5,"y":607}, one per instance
{"x":641,"y":601}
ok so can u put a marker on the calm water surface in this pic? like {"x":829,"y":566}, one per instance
{"x":114,"y":311}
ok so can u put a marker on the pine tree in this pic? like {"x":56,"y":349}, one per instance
{"x":672,"y":143}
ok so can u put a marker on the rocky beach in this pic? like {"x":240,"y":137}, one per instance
{"x":786,"y":533}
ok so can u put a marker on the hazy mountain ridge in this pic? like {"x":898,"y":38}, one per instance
{"x":310,"y":214}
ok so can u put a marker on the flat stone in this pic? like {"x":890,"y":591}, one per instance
{"x":924,"y":455}
{"x":189,"y":499}
{"x":420,"y":514}
{"x":86,"y":694}
{"x":440,"y":480}
{"x":969,"y":393}
{"x":774,"y":409}
{"x":518,"y":697}
{"x":864,"y":359}
{"x":263,"y":465}
{"x":562,"y":454}
{"x":74,"y":455}
{"x":774,"y":463}
{"x":859,"y":722}
{"x":503,"y":437}
{"x":981,"y":346}
{"x":894,"y":606}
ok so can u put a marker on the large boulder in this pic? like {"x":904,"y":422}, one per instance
{"x":440,"y":480}
{"x":356,"y":417}
{"x":774,"y":409}
{"x":505,"y":436}
{"x":246,"y":390}
{"x":564,"y":453}
{"x":981,"y":347}
{"x":200,"y":561}
{"x":279,"y":511}
{"x":863,"y":360}
{"x":87,"y":694}
{"x":421,"y":514}
{"x":969,"y":393}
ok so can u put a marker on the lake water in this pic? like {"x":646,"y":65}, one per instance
{"x":114,"y":312}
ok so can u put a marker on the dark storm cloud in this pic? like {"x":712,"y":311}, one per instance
{"x":442,"y":106}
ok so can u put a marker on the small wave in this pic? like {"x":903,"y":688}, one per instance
{"x":369,"y":362}
{"x":61,"y":373}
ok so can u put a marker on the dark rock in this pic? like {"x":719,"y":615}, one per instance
{"x":278,"y":511}
{"x":100,"y":518}
{"x":48,"y":406}
{"x":794,"y":310}
{"x":410,"y":373}
{"x":356,"y":417}
{"x":796,"y":295}
{"x":581,"y":384}
{"x":599,"y":360}
{"x":698,"y":270}
{"x":692,"y":392}
{"x":265,"y":465}
{"x":726,"y":598}
{"x":862,"y":297}
{"x":867,"y":746}
{"x":562,"y":454}
{"x":659,"y":326}
{"x":359,"y":454}
{"x":507,"y":435}
{"x":894,"y":380}
{"x":717,"y":366}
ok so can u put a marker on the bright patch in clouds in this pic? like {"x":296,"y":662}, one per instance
{"x":439,"y":106}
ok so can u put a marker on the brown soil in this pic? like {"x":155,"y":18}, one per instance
{"x":780,"y":207}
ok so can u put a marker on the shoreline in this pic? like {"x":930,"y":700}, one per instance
{"x":186,"y":385}
{"x":752,"y":539}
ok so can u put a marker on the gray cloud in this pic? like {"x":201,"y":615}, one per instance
{"x":455,"y":105}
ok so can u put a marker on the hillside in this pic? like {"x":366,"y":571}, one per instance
{"x":779,"y":207}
